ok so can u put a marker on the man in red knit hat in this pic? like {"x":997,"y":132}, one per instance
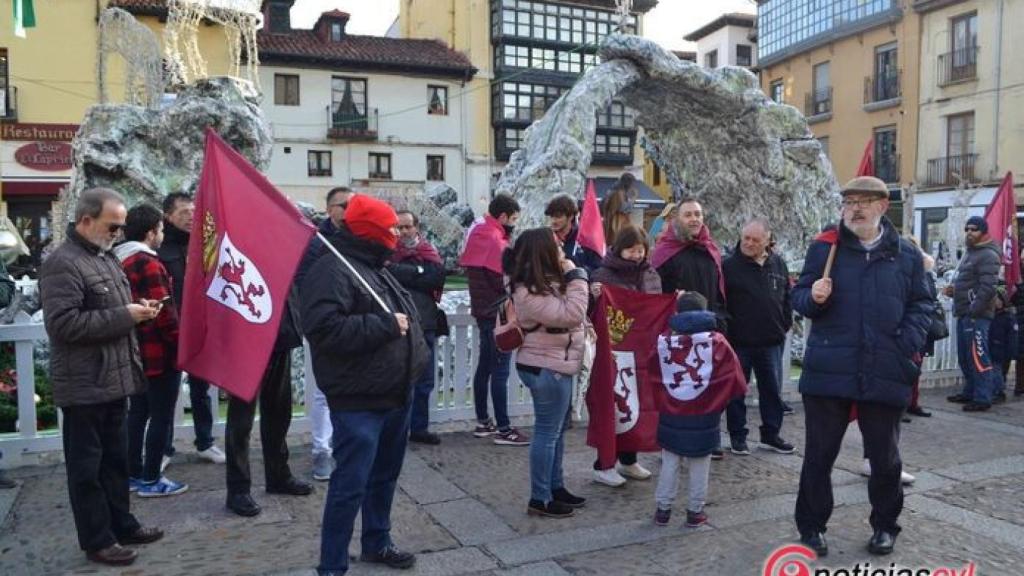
{"x":367,"y":347}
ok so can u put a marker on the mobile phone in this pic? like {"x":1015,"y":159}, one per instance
{"x":165,"y":299}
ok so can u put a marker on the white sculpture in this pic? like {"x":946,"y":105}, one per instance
{"x":120,"y":33}
{"x":240,"y":20}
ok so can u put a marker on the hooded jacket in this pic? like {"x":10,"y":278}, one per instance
{"x":974,"y":289}
{"x":360,"y":358}
{"x":617,"y":271}
{"x":158,"y":339}
{"x":863,"y":337}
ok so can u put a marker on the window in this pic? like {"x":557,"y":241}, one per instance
{"x":783,"y":24}
{"x":743,"y":55}
{"x":319,"y":163}
{"x":963,"y":43}
{"x":886,"y":159}
{"x":656,"y":175}
{"x":380,"y":166}
{"x":6,"y":97}
{"x":435,"y":168}
{"x":336,"y":32}
{"x":776,"y":91}
{"x":886,"y":82}
{"x":616,"y":116}
{"x":348,"y":103}
{"x":437,"y":100}
{"x":614,"y":145}
{"x":524,"y":102}
{"x":286,"y":90}
{"x":964,"y":31}
{"x":554,"y":22}
{"x":824,"y":146}
{"x":711,"y":59}
{"x":960,"y":134}
{"x":821,"y":98}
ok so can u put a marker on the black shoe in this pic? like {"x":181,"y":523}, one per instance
{"x":565,"y":497}
{"x":778,"y":445}
{"x":717,"y":454}
{"x":958,"y":399}
{"x":881,"y":543}
{"x":391,"y":557}
{"x":787,"y":409}
{"x":143,"y":536}
{"x":976,"y":407}
{"x":424,"y":438}
{"x":906,"y":419}
{"x":999,"y":398}
{"x":553,"y":509}
{"x":918,"y":411}
{"x":292,"y":487}
{"x":740,"y":448}
{"x":5,"y":482}
{"x":113,"y":555}
{"x":243,"y":505}
{"x":816,"y":541}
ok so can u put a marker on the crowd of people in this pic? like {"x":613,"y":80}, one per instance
{"x":364,"y":302}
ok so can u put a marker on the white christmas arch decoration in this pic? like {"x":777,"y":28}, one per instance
{"x":240,"y":20}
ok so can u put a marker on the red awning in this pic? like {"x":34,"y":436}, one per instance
{"x":38,"y":189}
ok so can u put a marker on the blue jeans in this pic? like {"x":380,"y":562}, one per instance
{"x":765,"y":363}
{"x":491,"y":366}
{"x":551,"y":393}
{"x":154,"y":407}
{"x":422,"y":388}
{"x":368,"y":448}
{"x":975,"y":361}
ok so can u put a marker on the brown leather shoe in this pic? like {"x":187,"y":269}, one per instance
{"x":113,"y":555}
{"x":143,"y":536}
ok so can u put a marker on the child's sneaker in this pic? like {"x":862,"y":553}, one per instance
{"x":485,"y":429}
{"x":661,"y":517}
{"x":695,"y":519}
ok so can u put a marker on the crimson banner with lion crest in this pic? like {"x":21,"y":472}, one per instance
{"x":622,"y":398}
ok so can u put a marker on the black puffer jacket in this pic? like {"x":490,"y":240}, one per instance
{"x":974,"y":290}
{"x":172,"y":253}
{"x":422,"y":279}
{"x":360,"y":359}
{"x":760,"y":313}
{"x":94,"y":355}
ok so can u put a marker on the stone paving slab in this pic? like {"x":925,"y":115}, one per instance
{"x":978,"y":512}
{"x":470,"y":521}
{"x":424,"y":484}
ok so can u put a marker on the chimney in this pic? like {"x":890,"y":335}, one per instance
{"x":330,"y":27}
{"x":277,"y":16}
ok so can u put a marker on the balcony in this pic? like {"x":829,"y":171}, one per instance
{"x":348,"y":126}
{"x":958,"y":66}
{"x":818,"y":105}
{"x":9,"y":105}
{"x":887,"y":168}
{"x":882,"y":91}
{"x":950,"y":170}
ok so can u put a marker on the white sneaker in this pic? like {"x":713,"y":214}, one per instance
{"x":212,"y":454}
{"x":164,"y":463}
{"x":609,"y":477}
{"x":634,"y":471}
{"x":905,"y":478}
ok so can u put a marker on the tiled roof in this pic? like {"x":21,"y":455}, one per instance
{"x":142,"y":7}
{"x":363,"y":52}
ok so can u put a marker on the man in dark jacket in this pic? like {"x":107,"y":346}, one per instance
{"x":417,"y":266}
{"x":319,"y":414}
{"x":178,"y":211}
{"x":561,"y":212}
{"x":869,"y":318}
{"x":367,"y":347}
{"x":974,"y":294}
{"x":94,"y":365}
{"x":757,"y":296}
{"x":481,"y":259}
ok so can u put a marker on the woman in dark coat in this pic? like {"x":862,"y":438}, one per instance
{"x":627,"y":266}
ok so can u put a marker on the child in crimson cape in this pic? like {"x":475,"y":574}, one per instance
{"x":700,"y":375}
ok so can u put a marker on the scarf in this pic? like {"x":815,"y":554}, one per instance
{"x":668,"y":245}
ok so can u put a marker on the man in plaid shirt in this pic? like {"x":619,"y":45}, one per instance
{"x":158,"y":341}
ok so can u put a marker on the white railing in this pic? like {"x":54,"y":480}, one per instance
{"x":451,"y":405}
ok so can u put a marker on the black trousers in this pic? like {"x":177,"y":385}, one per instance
{"x":156,"y":407}
{"x":96,"y":458}
{"x":826,"y":421}
{"x":275,"y":399}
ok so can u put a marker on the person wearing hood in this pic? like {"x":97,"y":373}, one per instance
{"x":625,"y":265}
{"x":760,"y":315}
{"x":367,"y":351}
{"x":158,"y":341}
{"x":974,"y":293}
{"x":869,"y":315}
{"x":418,"y":267}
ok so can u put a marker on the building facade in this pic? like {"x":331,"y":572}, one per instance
{"x":361,"y":111}
{"x":971,"y":111}
{"x":528,"y":53}
{"x":729,"y":40}
{"x":851,"y":68}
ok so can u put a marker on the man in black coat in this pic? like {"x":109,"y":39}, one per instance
{"x":178,"y":212}
{"x":757,"y":297}
{"x":418,"y":267}
{"x":367,"y":348}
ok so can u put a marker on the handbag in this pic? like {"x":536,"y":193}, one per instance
{"x":508,"y":335}
{"x":938,"y":329}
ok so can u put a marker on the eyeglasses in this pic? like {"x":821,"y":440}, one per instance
{"x":114,"y":228}
{"x":971,"y":229}
{"x":859,"y":203}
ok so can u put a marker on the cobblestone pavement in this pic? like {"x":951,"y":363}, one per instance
{"x":461,"y":507}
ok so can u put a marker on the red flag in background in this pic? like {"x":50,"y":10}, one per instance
{"x":247,"y":240}
{"x":591,"y":234}
{"x":1001,"y":216}
{"x":867,"y":167}
{"x":621,"y":399}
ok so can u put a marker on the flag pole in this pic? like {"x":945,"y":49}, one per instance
{"x":354,"y":272}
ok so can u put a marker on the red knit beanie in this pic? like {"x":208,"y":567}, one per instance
{"x":372,"y":219}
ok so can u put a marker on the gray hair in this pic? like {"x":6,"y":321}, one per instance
{"x":91,"y":202}
{"x":759,"y":222}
